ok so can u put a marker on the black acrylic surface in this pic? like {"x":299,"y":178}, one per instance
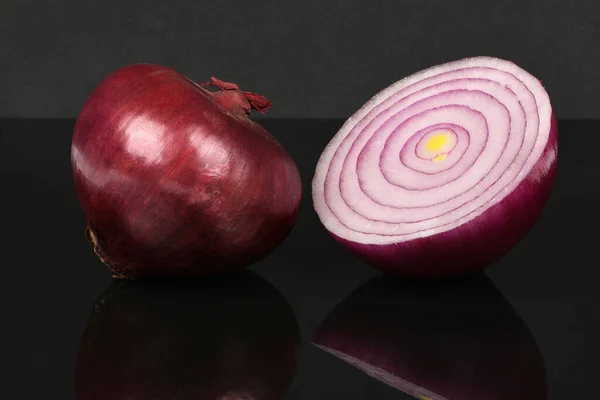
{"x":51,"y":277}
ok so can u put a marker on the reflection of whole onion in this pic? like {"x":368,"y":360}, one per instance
{"x":221,"y":338}
{"x":443,"y":171}
{"x":437,"y":340}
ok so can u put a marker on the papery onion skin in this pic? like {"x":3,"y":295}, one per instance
{"x":226,"y":337}
{"x":445,"y":340}
{"x":176,"y":180}
{"x":470,"y":246}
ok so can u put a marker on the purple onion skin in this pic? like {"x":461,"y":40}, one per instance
{"x":472,"y":246}
{"x":218,"y":338}
{"x":176,"y":180}
{"x":459,"y":339}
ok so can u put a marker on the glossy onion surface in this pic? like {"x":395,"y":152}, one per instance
{"x":442,"y":172}
{"x":175,"y":179}
{"x":437,"y":340}
{"x":221,"y":338}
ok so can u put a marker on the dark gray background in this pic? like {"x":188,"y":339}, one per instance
{"x":311,"y":58}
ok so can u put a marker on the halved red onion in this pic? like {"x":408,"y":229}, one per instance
{"x":442,"y":172}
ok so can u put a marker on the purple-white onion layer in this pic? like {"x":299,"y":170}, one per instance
{"x":442,"y":172}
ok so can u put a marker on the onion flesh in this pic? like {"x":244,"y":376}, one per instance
{"x":442,"y":172}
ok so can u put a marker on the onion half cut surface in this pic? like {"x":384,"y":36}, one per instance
{"x":442,"y":172}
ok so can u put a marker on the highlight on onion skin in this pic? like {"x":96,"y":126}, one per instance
{"x":440,"y":340}
{"x":175,"y":179}
{"x":226,"y":337}
{"x":443,"y":172}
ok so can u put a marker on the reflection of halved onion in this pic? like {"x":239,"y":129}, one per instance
{"x":458,"y":340}
{"x":442,"y":172}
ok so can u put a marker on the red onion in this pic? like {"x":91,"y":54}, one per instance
{"x":442,"y":172}
{"x":226,"y":338}
{"x":457,"y":340}
{"x":177,"y":180}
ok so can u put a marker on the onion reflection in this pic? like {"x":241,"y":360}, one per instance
{"x":223,"y":338}
{"x":457,"y":340}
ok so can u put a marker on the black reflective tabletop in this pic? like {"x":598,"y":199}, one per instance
{"x":307,"y":322}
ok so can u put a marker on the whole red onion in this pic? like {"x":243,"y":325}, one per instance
{"x":217,"y":338}
{"x":177,"y":180}
{"x":458,"y":340}
{"x":442,"y":172}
